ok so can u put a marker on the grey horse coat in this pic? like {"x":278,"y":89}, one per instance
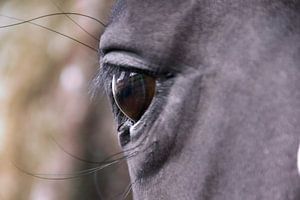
{"x":225,"y":119}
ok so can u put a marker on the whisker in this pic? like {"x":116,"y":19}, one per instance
{"x":89,"y":161}
{"x":72,"y":155}
{"x":49,"y":15}
{"x":49,"y":29}
{"x":72,"y":20}
{"x":99,"y":193}
{"x":82,"y":172}
{"x":127,"y":190}
{"x":70,"y":176}
{"x":97,"y":162}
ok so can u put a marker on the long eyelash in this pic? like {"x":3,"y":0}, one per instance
{"x":102,"y":80}
{"x":100,"y":84}
{"x":103,"y":77}
{"x":116,"y":69}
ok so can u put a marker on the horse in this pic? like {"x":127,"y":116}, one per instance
{"x":205,"y":95}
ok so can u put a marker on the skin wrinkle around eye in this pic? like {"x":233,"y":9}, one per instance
{"x":153,"y":159}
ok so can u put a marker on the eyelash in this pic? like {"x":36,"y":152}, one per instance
{"x":115,"y":69}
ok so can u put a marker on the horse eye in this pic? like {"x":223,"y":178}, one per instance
{"x":133,"y":93}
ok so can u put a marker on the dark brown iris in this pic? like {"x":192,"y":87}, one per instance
{"x":133,"y":93}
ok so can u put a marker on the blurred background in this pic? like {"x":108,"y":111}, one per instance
{"x":48,"y":123}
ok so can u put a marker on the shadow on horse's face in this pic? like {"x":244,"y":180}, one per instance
{"x":224,"y":119}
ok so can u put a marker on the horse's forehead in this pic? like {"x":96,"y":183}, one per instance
{"x":157,"y":30}
{"x":151,"y":10}
{"x":175,"y":32}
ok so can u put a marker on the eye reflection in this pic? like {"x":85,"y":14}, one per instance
{"x":133,"y":93}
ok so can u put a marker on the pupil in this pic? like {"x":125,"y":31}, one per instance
{"x":133,"y":93}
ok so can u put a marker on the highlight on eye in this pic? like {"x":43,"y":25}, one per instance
{"x":133,"y":93}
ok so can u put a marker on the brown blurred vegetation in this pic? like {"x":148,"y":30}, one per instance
{"x":45,"y":107}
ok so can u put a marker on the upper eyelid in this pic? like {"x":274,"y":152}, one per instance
{"x":127,"y":60}
{"x":119,"y":68}
{"x":124,"y":60}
